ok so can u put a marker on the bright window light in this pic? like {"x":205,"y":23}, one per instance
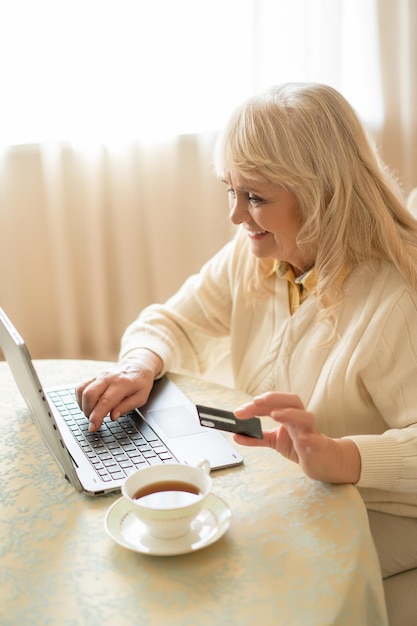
{"x":88,"y":71}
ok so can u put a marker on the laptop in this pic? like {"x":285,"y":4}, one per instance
{"x":165,"y":430}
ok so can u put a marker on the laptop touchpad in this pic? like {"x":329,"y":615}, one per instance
{"x":175,"y":421}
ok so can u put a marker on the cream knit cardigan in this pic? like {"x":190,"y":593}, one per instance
{"x":362,"y":383}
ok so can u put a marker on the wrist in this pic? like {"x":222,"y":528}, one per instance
{"x":350,"y":461}
{"x":142,"y":359}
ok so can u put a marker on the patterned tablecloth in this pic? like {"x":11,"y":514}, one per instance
{"x":298,"y":552}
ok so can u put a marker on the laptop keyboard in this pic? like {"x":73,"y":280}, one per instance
{"x":118,"y":448}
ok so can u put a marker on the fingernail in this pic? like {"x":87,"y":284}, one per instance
{"x":91,"y":427}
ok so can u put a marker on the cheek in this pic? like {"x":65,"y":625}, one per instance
{"x":266,"y":220}
{"x":281,"y":225}
{"x":285,"y":231}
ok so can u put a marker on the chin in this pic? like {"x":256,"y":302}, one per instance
{"x":262,"y":252}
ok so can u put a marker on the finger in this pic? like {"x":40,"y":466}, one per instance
{"x":92,"y":393}
{"x":278,"y":439}
{"x":129,"y":403}
{"x":295,"y":419}
{"x":117,"y":402}
{"x":112,"y":400}
{"x":89,"y":391}
{"x":270,"y":439}
{"x":107,"y":390}
{"x":79,"y":390}
{"x":266,"y":403}
{"x":250,"y":442}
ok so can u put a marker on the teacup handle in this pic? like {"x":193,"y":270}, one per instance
{"x":204,"y":465}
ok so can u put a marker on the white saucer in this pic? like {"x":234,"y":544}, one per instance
{"x":128,"y":531}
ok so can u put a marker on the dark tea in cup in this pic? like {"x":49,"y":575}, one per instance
{"x":168,"y":494}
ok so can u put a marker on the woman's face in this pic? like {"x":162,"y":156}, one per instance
{"x":271,"y":217}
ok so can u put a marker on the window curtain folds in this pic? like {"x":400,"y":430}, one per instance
{"x":110,"y":111}
{"x":397,"y":28}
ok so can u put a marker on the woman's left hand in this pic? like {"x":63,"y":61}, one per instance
{"x":297,"y":438}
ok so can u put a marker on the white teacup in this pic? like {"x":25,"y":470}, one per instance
{"x":166,"y":498}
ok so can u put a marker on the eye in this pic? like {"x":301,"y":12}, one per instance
{"x":255,"y":200}
{"x":231,"y":192}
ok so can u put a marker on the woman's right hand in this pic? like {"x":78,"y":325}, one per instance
{"x":119,"y":389}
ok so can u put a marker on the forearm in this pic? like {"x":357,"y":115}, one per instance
{"x":180,"y":336}
{"x":184,"y":330}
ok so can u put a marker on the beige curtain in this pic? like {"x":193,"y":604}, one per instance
{"x":88,"y":239}
{"x":397,"y":21}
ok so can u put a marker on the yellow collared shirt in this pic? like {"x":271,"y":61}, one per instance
{"x":298,"y":287}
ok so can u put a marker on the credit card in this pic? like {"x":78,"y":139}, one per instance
{"x":226,"y":420}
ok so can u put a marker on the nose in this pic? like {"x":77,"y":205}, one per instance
{"x":238,"y":211}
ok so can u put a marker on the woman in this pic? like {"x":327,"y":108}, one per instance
{"x":317,"y":297}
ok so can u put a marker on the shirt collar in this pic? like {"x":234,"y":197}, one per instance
{"x":308,"y":280}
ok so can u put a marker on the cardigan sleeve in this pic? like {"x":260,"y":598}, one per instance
{"x":185,"y":331}
{"x":389,"y":460}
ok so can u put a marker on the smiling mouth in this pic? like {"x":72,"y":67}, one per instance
{"x":254,"y":234}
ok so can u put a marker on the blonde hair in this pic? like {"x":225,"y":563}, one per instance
{"x":307,"y":138}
